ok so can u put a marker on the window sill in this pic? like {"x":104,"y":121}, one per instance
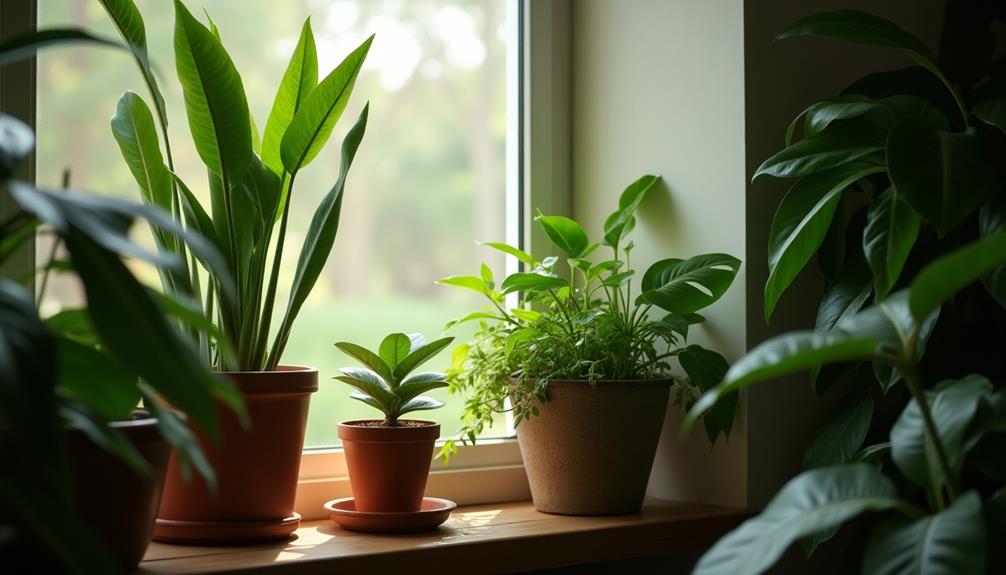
{"x":489,"y":538}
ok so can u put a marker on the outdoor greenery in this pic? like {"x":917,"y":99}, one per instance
{"x":251,"y":177}
{"x":387,"y":382}
{"x":900,"y":195}
{"x":85,"y":367}
{"x":583,"y":321}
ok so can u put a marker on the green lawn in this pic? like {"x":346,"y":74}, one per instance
{"x":319,"y":326}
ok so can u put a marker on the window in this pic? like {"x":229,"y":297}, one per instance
{"x":433,"y":175}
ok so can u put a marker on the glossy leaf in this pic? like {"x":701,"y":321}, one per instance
{"x":705,"y":370}
{"x":814,"y":501}
{"x":214,"y":99}
{"x":420,"y":356}
{"x":801,"y":223}
{"x":420,"y":403}
{"x":394,"y":348}
{"x":368,"y":358}
{"x":618,"y":225}
{"x":370,"y":383}
{"x":952,"y":542}
{"x":312,"y":125}
{"x":686,"y":286}
{"x":941,"y":279}
{"x":838,"y":145}
{"x":134,"y":130}
{"x":468,"y":282}
{"x":420,"y":383}
{"x":840,"y":438}
{"x":943,"y":176}
{"x":566,"y":234}
{"x":299,"y":80}
{"x":846,"y":295}
{"x":891,"y":229}
{"x":522,"y":281}
{"x":952,"y":407}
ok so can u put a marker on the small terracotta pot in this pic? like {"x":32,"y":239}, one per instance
{"x":256,"y":468}
{"x":590,"y":449}
{"x":388,"y":466}
{"x":112,"y":498}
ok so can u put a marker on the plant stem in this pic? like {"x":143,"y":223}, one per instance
{"x":914,"y":382}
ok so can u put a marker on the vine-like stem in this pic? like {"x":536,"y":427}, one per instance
{"x":914,"y":382}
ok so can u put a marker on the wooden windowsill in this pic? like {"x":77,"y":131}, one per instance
{"x":499,"y":538}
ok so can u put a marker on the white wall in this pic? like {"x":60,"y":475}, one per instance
{"x":657,"y":87}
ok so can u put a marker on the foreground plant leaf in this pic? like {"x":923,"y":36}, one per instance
{"x":813,"y":502}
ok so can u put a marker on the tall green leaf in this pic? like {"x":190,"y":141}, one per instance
{"x":620,"y":223}
{"x":299,"y":80}
{"x":952,"y":542}
{"x":312,"y":124}
{"x":566,"y":234}
{"x":320,"y":238}
{"x":814,"y":501}
{"x":838,"y":440}
{"x":686,"y":286}
{"x":801,"y":223}
{"x":134,"y":130}
{"x":97,"y":380}
{"x":891,"y":229}
{"x":129,"y":22}
{"x":940,"y":280}
{"x":952,"y":407}
{"x":214,"y":99}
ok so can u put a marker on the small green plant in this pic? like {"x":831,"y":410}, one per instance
{"x":587,"y":322}
{"x":386,"y":384}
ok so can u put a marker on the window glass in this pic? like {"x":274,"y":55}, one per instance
{"x":429,"y":180}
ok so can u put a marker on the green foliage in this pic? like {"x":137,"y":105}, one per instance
{"x":251,"y":182}
{"x":385,"y":382}
{"x":584,"y":321}
{"x":925,"y":253}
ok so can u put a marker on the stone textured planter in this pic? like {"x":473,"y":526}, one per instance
{"x":590,"y":450}
{"x":257,"y":468}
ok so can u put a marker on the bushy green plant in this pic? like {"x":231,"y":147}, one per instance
{"x":583,"y":320}
{"x":921,"y":151}
{"x":387,"y":382}
{"x":251,"y":176}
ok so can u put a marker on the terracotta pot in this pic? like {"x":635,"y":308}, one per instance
{"x":256,"y":468}
{"x":112,"y":498}
{"x":388,"y":466}
{"x":590,"y":450}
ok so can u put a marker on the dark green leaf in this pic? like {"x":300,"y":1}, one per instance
{"x":838,"y":440}
{"x":705,"y":370}
{"x":367,"y":358}
{"x":299,"y":80}
{"x":991,"y":221}
{"x":838,"y":145}
{"x":420,"y":356}
{"x":174,"y":430}
{"x":522,"y":281}
{"x":952,"y":408}
{"x":891,"y":229}
{"x":16,"y":143}
{"x":420,"y":403}
{"x":801,"y":223}
{"x":26,"y":45}
{"x":97,"y":380}
{"x":313,"y":123}
{"x":420,"y":383}
{"x":73,"y":323}
{"x":370,"y":383}
{"x":670,"y":325}
{"x":565,"y":233}
{"x":815,"y":501}
{"x":941,"y":279}
{"x":952,"y":542}
{"x":81,"y":418}
{"x":686,"y":286}
{"x":943,"y":176}
{"x":992,"y":112}
{"x":874,"y":453}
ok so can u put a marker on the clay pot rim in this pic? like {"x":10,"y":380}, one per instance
{"x":285,"y":379}
{"x":655,"y":382}
{"x":353,"y":431}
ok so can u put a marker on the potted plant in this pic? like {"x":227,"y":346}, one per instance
{"x":913,"y":317}
{"x":81,"y":468}
{"x":251,"y":186}
{"x":389,"y":459}
{"x":586,"y":369}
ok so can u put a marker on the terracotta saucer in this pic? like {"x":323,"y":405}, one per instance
{"x":433,"y":512}
{"x":218,"y":532}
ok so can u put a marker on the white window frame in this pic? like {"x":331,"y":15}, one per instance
{"x":539,"y":108}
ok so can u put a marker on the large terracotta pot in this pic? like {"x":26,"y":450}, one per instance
{"x":256,"y":468}
{"x":114,"y":500}
{"x":590,"y":449}
{"x":388,"y":466}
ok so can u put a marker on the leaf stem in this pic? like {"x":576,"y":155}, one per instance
{"x":914,"y":382}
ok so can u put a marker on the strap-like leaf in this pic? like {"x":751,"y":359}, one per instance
{"x":299,"y":80}
{"x":840,"y":438}
{"x":97,"y":379}
{"x":312,"y":124}
{"x":838,"y":145}
{"x":134,"y":130}
{"x":940,"y":280}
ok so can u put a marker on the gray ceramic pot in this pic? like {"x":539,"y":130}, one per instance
{"x":591,"y":448}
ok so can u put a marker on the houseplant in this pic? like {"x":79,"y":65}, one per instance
{"x":80,"y":468}
{"x":251,"y":186}
{"x":901,"y":179}
{"x":389,"y":459}
{"x":585,"y":367}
